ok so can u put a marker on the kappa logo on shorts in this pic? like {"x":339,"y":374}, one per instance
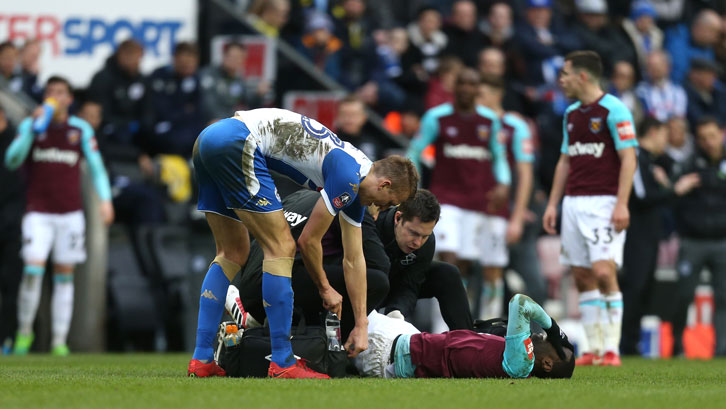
{"x":341,"y":200}
{"x":263,"y":202}
{"x":529,"y":348}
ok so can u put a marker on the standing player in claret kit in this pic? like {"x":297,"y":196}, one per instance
{"x":54,"y":217}
{"x":232,"y":162}
{"x":595,"y":173}
{"x":517,"y":140}
{"x":471,"y":177}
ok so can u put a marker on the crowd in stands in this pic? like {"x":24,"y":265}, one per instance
{"x":665,"y":59}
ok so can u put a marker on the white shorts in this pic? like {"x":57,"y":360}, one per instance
{"x":382,"y":330}
{"x":63,"y":233}
{"x":472,"y":236}
{"x":588,"y":234}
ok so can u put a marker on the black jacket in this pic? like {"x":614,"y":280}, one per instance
{"x":647,"y":199}
{"x":408,"y":271}
{"x":701,"y":214}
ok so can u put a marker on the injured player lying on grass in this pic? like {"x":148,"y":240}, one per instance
{"x":397,"y":349}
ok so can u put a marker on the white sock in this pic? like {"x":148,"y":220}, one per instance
{"x":28,"y":300}
{"x":492,"y":300}
{"x":61,"y":308}
{"x":614,"y":319}
{"x":590,"y":310}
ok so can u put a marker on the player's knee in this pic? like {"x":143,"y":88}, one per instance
{"x":603,"y":271}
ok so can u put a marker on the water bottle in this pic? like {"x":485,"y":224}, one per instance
{"x":332,"y":331}
{"x":40,"y":124}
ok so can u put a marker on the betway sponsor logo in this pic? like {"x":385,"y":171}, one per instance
{"x":466,"y":152}
{"x":55,"y":155}
{"x":590,"y":148}
{"x":294,"y":218}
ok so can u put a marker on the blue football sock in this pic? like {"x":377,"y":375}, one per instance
{"x":211,"y":308}
{"x":277,"y":298}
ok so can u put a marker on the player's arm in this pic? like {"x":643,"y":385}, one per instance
{"x":312,"y":254}
{"x":99,"y":176}
{"x":622,"y":129}
{"x":427,"y":136}
{"x":354,"y":271}
{"x":549,"y":220}
{"x":524,"y":157}
{"x":499,"y":196}
{"x":518,"y":358}
{"x":20,"y":146}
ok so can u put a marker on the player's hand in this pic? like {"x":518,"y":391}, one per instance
{"x":332,"y":301}
{"x":514,"y":231}
{"x":38,"y":112}
{"x":498,"y":198}
{"x":621,"y":217}
{"x":357,"y":340}
{"x":554,"y":338}
{"x":549,"y":220}
{"x":661,"y":177}
{"x":107,"y":212}
{"x":686,"y":183}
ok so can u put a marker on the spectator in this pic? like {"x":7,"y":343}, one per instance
{"x":706,"y":94}
{"x":358,"y":55}
{"x":543,"y":43}
{"x":622,"y":85}
{"x":9,"y":73}
{"x":350,"y":126}
{"x":320,"y":46}
{"x":596,"y":33}
{"x":441,"y":87}
{"x":223,"y":87}
{"x":698,"y":42}
{"x":175,"y":115}
{"x":269,"y":16}
{"x":426,"y":36}
{"x":645,"y":37}
{"x":661,"y":98}
{"x":30,"y":68}
{"x":701,"y":223}
{"x":464,"y":38}
{"x":12,"y":207}
{"x":652,"y":192}
{"x":497,"y":27}
{"x":121,"y":90}
{"x":492,"y":64}
{"x":680,"y":140}
{"x":412,"y":78}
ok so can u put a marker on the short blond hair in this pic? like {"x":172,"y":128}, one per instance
{"x":401,"y":171}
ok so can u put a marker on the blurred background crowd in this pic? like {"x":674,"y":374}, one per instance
{"x":375,"y":66}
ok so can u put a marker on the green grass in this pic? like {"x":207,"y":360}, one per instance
{"x":137,"y":381}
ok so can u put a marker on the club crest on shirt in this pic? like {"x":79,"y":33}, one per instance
{"x":341,"y":200}
{"x":74,"y":136}
{"x":595,"y":125}
{"x":452,"y":131}
{"x":354,"y":187}
{"x":482,"y":131}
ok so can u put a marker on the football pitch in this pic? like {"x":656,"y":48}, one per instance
{"x":136,"y":381}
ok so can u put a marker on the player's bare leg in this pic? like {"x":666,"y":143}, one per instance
{"x":28,"y":301}
{"x":272,"y":232}
{"x":61,"y":307}
{"x":611,"y":315}
{"x":591,"y":306}
{"x":232,"y":248}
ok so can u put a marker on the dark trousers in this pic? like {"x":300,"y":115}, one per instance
{"x":693,"y":256}
{"x":307,"y":298}
{"x":443,"y":282}
{"x":636,"y":280}
{"x":11,"y":270}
